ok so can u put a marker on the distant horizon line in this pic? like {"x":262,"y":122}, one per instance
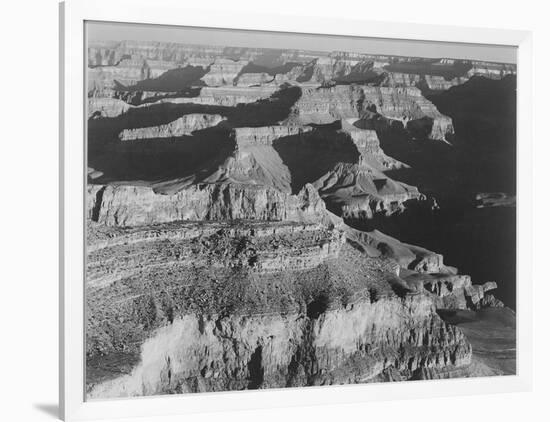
{"x":90,"y":44}
{"x":117,"y":32}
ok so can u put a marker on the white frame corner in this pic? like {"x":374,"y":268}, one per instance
{"x":73,"y":14}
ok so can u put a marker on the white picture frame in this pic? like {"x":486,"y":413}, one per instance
{"x":73,"y":15}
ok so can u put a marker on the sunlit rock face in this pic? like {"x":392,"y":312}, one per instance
{"x":252,"y":79}
{"x":106,"y":107}
{"x":134,"y":205}
{"x":223,"y":72}
{"x":184,"y":125}
{"x":360,"y":191}
{"x":403,"y":104}
{"x":236,"y":214}
{"x":370,"y":342}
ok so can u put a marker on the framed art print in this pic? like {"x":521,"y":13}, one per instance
{"x":259,"y":210}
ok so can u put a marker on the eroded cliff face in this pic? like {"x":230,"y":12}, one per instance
{"x":226,"y":96}
{"x":184,"y":125}
{"x":406,"y":105}
{"x":131,"y":61}
{"x":223,"y":72}
{"x":123,"y":205}
{"x":264,"y":305}
{"x":359,"y":191}
{"x":366,"y":342}
{"x":106,"y":107}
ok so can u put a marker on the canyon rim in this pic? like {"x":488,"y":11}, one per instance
{"x":263,"y":217}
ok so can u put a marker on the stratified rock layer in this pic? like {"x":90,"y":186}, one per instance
{"x":184,"y":125}
{"x":407,"y":105}
{"x":133,"y":205}
{"x":223,"y":72}
{"x":243,"y":305}
{"x":360,"y":191}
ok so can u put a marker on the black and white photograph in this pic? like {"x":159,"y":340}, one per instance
{"x":279,"y":210}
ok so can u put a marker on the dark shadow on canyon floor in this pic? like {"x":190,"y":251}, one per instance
{"x":309,"y":156}
{"x":479,"y":241}
{"x":152,"y":160}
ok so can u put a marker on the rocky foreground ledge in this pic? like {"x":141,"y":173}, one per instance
{"x":227,"y":305}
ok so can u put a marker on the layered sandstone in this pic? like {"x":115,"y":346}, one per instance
{"x":254,"y":79}
{"x":124,"y":205}
{"x":368,"y":145}
{"x":265,"y":135}
{"x":184,"y":125}
{"x":227,"y":96}
{"x":106,"y":107}
{"x":282,"y":350}
{"x":307,"y":308}
{"x":404,"y":104}
{"x":223,"y":72}
{"x":358,"y":191}
{"x":126,"y":72}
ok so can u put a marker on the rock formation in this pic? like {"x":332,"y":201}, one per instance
{"x":226,"y":96}
{"x":184,"y":125}
{"x":306,"y":305}
{"x":407,"y":105}
{"x":223,"y":72}
{"x":233,"y":215}
{"x":123,"y":205}
{"x":357,"y":191}
{"x":106,"y":107}
{"x":254,"y":79}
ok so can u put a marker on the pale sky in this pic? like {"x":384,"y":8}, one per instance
{"x":108,"y":31}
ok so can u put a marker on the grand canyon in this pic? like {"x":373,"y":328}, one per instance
{"x":266,"y":218}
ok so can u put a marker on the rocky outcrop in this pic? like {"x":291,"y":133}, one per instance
{"x":184,"y":125}
{"x":439,"y":83}
{"x":358,"y":191}
{"x":130,"y":72}
{"x":223,"y":72}
{"x":396,"y":79}
{"x":225,"y":96}
{"x":410,"y":257}
{"x":274,"y":351}
{"x":495,"y":199}
{"x":307,"y":308}
{"x":254,"y":79}
{"x":110,"y":53}
{"x":491,"y":70}
{"x":368,"y":146}
{"x":298,"y":247}
{"x":344,"y":67}
{"x":140,"y":97}
{"x":106,"y":107}
{"x":103,"y":53}
{"x":254,"y":161}
{"x":327,"y":105}
{"x":123,"y":205}
{"x":265,"y":135}
{"x":454,"y":291}
{"x":407,"y":105}
{"x":126,"y":72}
